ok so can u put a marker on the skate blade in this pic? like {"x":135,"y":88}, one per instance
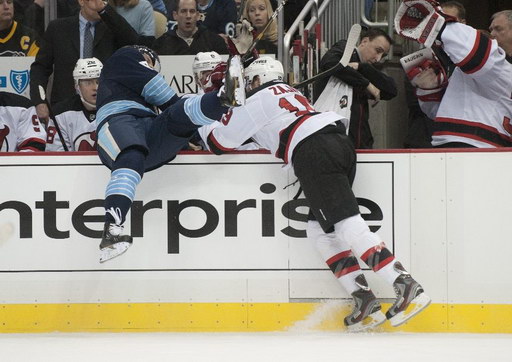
{"x":239,"y":93}
{"x":235,"y":70}
{"x":113,"y":251}
{"x":371,"y":321}
{"x":417,"y":305}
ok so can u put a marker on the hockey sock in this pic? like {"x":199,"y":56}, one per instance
{"x":121,"y":192}
{"x":337,"y":255}
{"x":368,"y":246}
{"x":126,"y":175}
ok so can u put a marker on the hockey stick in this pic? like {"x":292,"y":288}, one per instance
{"x":248,"y":53}
{"x":352,"y":39}
{"x":42,"y":94}
{"x":241,"y":10}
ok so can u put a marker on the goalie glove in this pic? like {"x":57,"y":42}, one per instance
{"x":424,"y":70}
{"x":214,"y":80}
{"x":421,"y":20}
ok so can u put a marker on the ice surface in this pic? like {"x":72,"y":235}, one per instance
{"x":261,"y":347}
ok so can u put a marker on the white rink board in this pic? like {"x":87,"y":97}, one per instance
{"x":176,"y":69}
{"x":443,"y":217}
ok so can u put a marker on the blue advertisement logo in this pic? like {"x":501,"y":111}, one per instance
{"x":19,"y":80}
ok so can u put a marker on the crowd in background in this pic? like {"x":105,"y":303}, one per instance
{"x":93,"y":30}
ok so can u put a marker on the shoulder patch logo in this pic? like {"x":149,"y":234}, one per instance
{"x":344,"y":101}
{"x":19,"y":80}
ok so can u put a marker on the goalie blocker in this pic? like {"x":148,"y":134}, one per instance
{"x":421,"y":20}
{"x":424,"y":70}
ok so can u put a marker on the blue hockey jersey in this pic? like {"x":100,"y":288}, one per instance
{"x":128,"y":85}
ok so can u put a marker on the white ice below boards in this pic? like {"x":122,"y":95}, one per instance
{"x":252,"y":347}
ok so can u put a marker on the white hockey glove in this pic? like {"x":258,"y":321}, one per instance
{"x":421,"y":20}
{"x":424,"y":70}
{"x":244,"y":36}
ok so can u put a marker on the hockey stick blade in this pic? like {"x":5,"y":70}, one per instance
{"x":42,"y":94}
{"x":352,"y":39}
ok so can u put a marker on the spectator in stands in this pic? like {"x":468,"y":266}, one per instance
{"x":159,"y":5}
{"x":33,"y":16}
{"x":187,"y":38}
{"x":15,"y":39}
{"x":68,"y":39}
{"x":76,"y":115}
{"x":20,"y":129}
{"x":367,"y":82}
{"x":139,"y":14}
{"x":219,"y":16}
{"x":501,"y":30}
{"x":258,"y":12}
{"x":455,"y":9}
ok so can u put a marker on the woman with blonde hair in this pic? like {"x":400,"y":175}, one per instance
{"x":258,"y":12}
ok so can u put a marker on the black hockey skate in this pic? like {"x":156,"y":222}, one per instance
{"x":232,"y":93}
{"x":410,"y":298}
{"x":113,"y":243}
{"x":367,"y":310}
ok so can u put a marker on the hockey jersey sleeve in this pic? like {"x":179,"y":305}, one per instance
{"x":471,"y":50}
{"x":429,"y":100}
{"x":235,"y":128}
{"x":30,"y":134}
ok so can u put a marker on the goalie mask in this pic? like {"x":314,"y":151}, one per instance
{"x":87,"y":68}
{"x":266,"y":68}
{"x":203,"y":64}
{"x":144,"y":50}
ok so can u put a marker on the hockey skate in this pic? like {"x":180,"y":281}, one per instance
{"x":232,"y":93}
{"x":410,"y":298}
{"x":367,"y":310}
{"x":113,"y":243}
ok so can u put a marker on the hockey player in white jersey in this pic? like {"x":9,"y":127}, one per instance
{"x":323,"y":158}
{"x":474,"y":107}
{"x":202,"y":66}
{"x":20,"y":129}
{"x":76,"y":115}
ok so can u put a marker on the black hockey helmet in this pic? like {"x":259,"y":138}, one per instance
{"x":151,"y":53}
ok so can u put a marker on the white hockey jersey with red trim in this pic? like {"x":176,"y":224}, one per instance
{"x":77,"y":127}
{"x":476,"y":108}
{"x":276,"y":116}
{"x":20,"y":129}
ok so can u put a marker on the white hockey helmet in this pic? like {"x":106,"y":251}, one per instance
{"x":204,"y":62}
{"x":266,"y":68}
{"x":87,"y":68}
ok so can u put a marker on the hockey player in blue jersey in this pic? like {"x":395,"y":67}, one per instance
{"x":133,"y":139}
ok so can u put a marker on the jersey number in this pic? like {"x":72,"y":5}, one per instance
{"x":301,"y":109}
{"x":50,"y":134}
{"x":35,"y":123}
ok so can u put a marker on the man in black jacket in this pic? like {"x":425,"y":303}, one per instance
{"x":186,"y":38}
{"x":63,"y":46}
{"x":367,"y":82}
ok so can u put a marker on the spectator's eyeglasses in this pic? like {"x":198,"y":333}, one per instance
{"x":6,"y":1}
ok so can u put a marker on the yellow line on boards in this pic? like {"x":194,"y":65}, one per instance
{"x":237,"y":317}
